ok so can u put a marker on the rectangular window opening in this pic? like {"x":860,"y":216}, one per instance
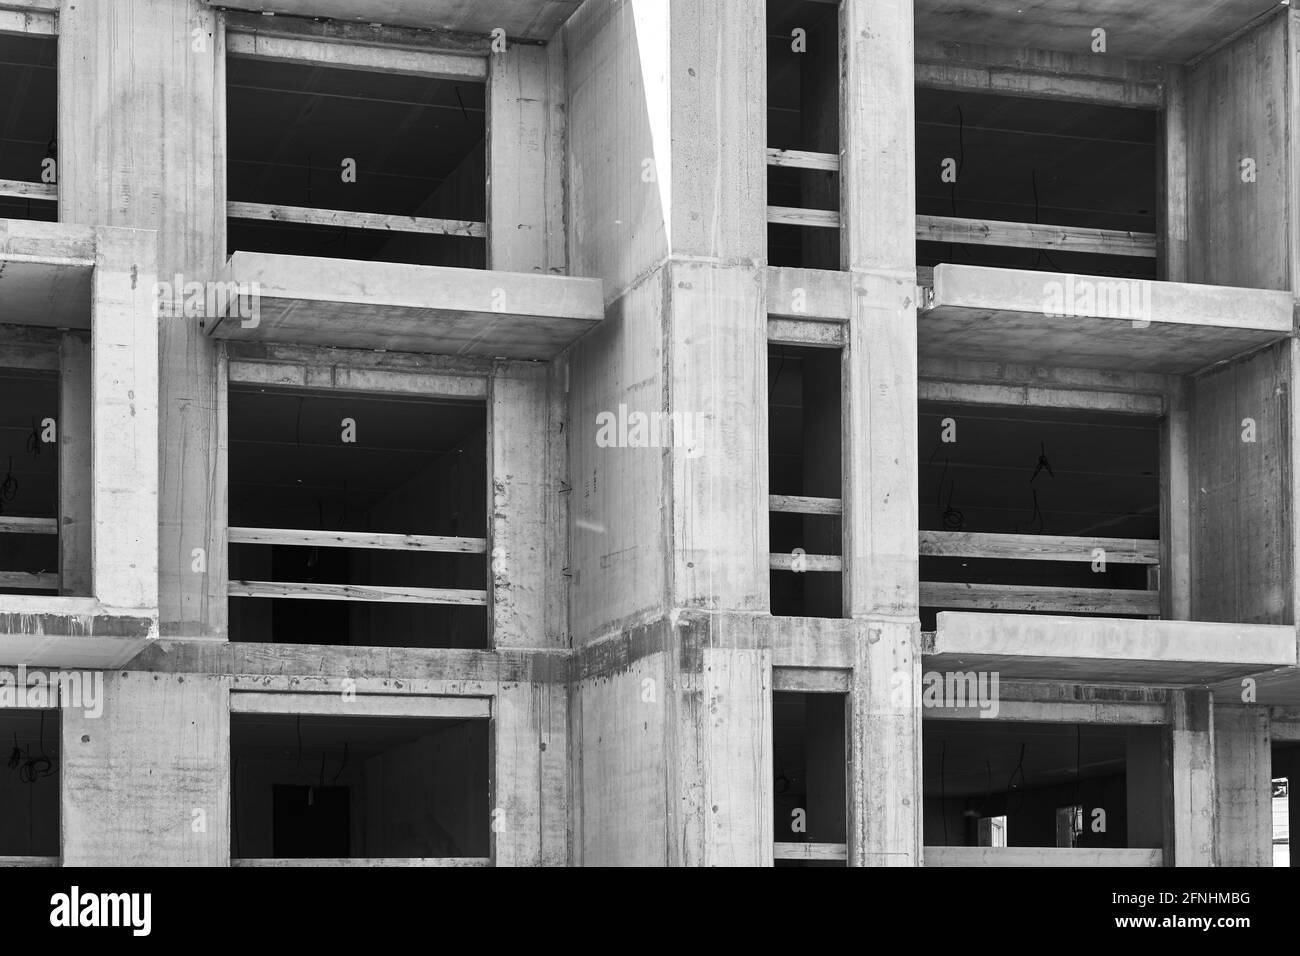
{"x":29,"y":783}
{"x":810,"y":785}
{"x":1084,"y":484}
{"x":984,"y":157}
{"x":803,"y":123}
{"x":1051,"y":785}
{"x":357,"y":519}
{"x":312,"y":787}
{"x":804,"y":472}
{"x":356,"y":164}
{"x":29,"y":127}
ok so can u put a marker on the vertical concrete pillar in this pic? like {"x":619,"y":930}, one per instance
{"x":1192,"y":766}
{"x":1243,"y":815}
{"x":75,"y":474}
{"x":878,"y":213}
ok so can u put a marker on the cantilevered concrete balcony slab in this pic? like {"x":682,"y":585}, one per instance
{"x":45,"y":274}
{"x":1049,"y":318}
{"x":302,"y":300}
{"x":1106,"y":650}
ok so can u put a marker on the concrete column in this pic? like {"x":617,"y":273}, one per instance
{"x":1243,"y":818}
{"x":142,"y":144}
{"x":878,"y":212}
{"x":1192,"y":759}
{"x":885,"y":747}
{"x":75,"y":469}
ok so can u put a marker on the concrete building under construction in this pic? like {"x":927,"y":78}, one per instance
{"x":649,"y":432}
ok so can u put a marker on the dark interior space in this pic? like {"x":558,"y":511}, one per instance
{"x":416,"y":467}
{"x":309,"y":787}
{"x":1024,"y":160}
{"x":1011,"y":470}
{"x":418,"y":144}
{"x":803,"y":114}
{"x":1286,"y":800}
{"x":29,"y":783}
{"x":804,"y":460}
{"x":28,"y":121}
{"x":29,"y":480}
{"x":809,"y":791}
{"x":1047,"y":780}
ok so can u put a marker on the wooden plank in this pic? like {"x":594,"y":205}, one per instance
{"x":810,"y":851}
{"x":812,"y":680}
{"x":808,"y":562}
{"x":1014,"y":597}
{"x":355,"y":220}
{"x":23,"y":581}
{"x":358,"y":862}
{"x":1038,"y":547}
{"x":357,"y":539}
{"x":789,"y":216}
{"x":1024,"y":235}
{"x":802,"y":505}
{"x":355,"y":592}
{"x":26,"y":190}
{"x":361,"y":705}
{"x":6,"y":861}
{"x":352,"y":56}
{"x":809,"y":333}
{"x":802,"y":159}
{"x":1036,"y":856}
{"x":13,"y":525}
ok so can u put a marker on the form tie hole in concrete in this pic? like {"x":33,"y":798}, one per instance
{"x":85,"y":738}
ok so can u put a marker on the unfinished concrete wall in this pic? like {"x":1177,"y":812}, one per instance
{"x":619,"y":171}
{"x":1239,"y":163}
{"x":147,"y":783}
{"x":1241,"y":473}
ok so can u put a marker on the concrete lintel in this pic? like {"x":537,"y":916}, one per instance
{"x":532,"y":21}
{"x":1173,"y":653}
{"x":306,"y":300}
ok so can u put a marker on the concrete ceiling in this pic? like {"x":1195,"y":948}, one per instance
{"x":523,"y":19}
{"x":51,"y":295}
{"x":1167,"y":30}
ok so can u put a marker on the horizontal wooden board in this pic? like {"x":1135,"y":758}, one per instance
{"x":356,"y":539}
{"x":802,"y":159}
{"x":12,"y":525}
{"x":807,"y":562}
{"x":810,"y":851}
{"x":355,"y":592}
{"x":362,"y":862}
{"x":26,"y":190}
{"x":1014,"y":597}
{"x":356,"y":220}
{"x":22,"y":581}
{"x":1038,"y":547}
{"x":802,"y":505}
{"x":1026,"y":235}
